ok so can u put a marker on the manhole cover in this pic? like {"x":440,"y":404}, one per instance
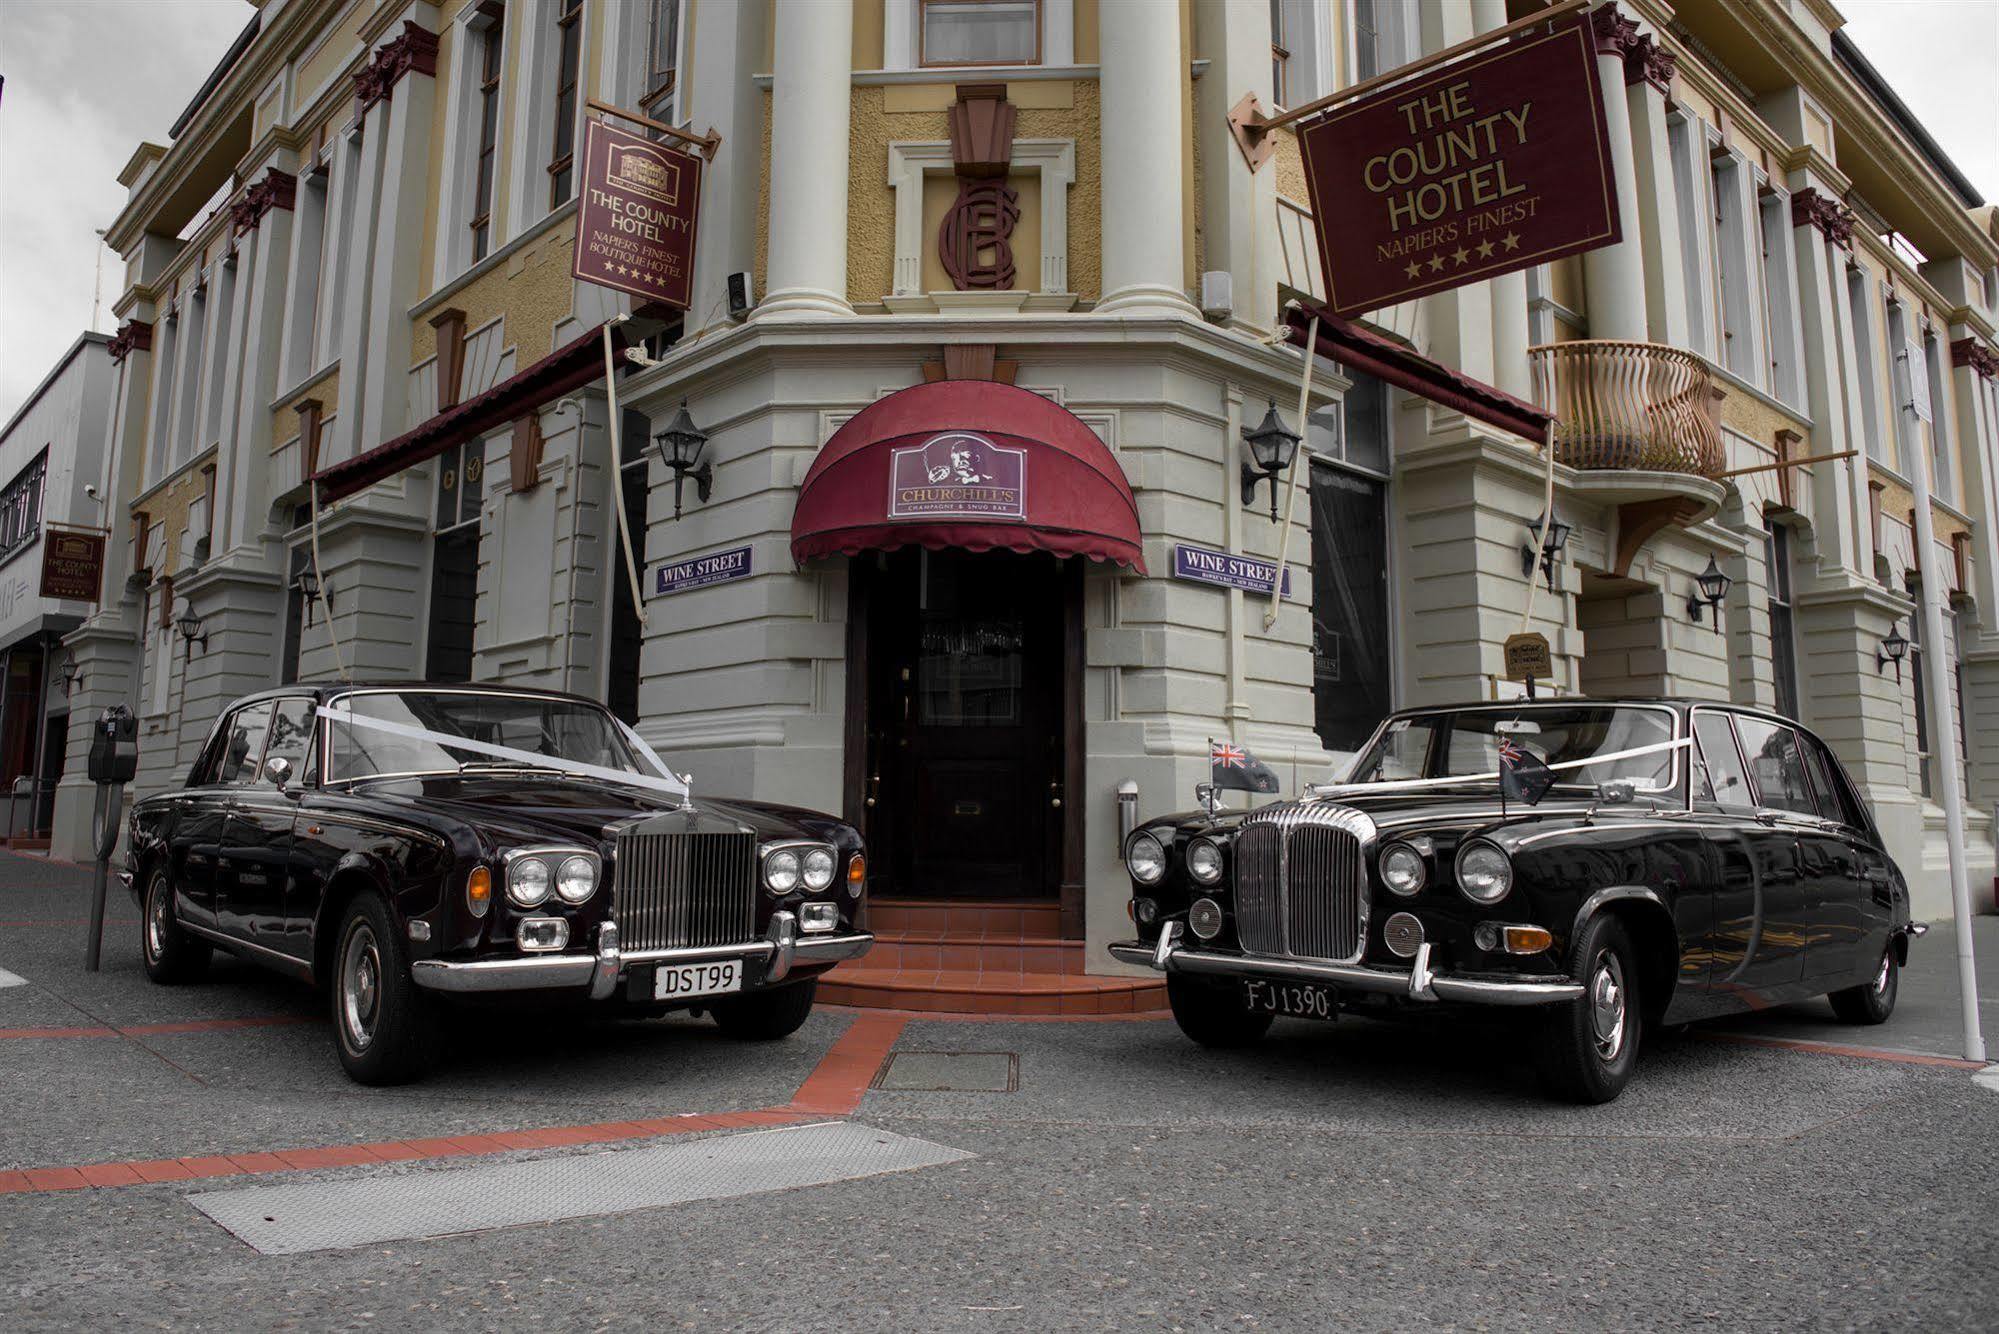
{"x":950,"y":1072}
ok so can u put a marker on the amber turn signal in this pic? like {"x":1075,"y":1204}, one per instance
{"x":857,"y":874}
{"x":1527,"y":939}
{"x":479,"y":891}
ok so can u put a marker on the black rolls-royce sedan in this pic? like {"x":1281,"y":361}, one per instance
{"x":402,"y":844}
{"x":1684,"y":860}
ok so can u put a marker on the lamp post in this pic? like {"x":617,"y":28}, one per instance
{"x":682,"y":446}
{"x":1272,"y":447}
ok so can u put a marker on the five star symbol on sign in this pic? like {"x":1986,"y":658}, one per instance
{"x":1461,"y":256}
{"x":1511,"y":240}
{"x":1485,"y":250}
{"x":1437,"y":263}
{"x":1413,"y":269}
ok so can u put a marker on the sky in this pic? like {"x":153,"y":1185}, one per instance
{"x":87,"y":80}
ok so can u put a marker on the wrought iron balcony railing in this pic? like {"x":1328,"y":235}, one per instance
{"x":1629,"y":406}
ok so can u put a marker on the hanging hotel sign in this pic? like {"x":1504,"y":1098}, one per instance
{"x":957,"y":475}
{"x":72,"y":563}
{"x":635,"y":224}
{"x":1227,"y":570}
{"x":700,"y":571}
{"x":1496,"y":163}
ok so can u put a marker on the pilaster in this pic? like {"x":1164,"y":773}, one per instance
{"x":1615,"y":275}
{"x":1238,"y":206}
{"x":1819,"y":274}
{"x":265,"y":249}
{"x":1648,"y":80}
{"x":811,"y":107}
{"x":1144,"y":238}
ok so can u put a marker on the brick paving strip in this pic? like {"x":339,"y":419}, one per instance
{"x":833,"y":1088}
{"x":1836,"y":1049}
{"x":157,"y":1030}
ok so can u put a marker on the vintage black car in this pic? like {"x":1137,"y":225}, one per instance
{"x":405,"y":844}
{"x":1690,"y":860}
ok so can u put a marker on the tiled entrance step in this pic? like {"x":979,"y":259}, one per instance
{"x":980,"y":958}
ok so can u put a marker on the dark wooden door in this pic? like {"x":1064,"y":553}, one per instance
{"x":454,"y":594}
{"x":966,"y":724}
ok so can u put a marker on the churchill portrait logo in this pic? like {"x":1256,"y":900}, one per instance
{"x":957,"y":474}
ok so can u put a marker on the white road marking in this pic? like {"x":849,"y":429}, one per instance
{"x":8,"y":979}
{"x":1988,"y":1078}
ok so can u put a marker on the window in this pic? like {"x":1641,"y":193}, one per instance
{"x":1280,"y":55}
{"x":1735,"y":253}
{"x":1367,"y":43}
{"x":1781,"y":323}
{"x":1686,"y":144}
{"x":1836,"y":800}
{"x":291,"y":735}
{"x":1898,"y":342}
{"x":659,"y":98}
{"x":489,"y":41}
{"x":21,"y":506}
{"x":980,"y":32}
{"x":1351,"y":668}
{"x":243,"y":753}
{"x":309,"y":239}
{"x":454,"y":571}
{"x":568,"y":65}
{"x":1783,"y":642}
{"x":338,"y":257}
{"x":1778,"y":766}
{"x":1720,"y":777}
{"x":1860,"y":297}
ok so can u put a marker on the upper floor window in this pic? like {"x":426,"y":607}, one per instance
{"x":979,"y":32}
{"x":1783,"y":641}
{"x":1280,"y":55}
{"x":1867,"y":367}
{"x":1367,"y":40}
{"x":660,"y":96}
{"x":568,"y":68}
{"x":1943,"y":480}
{"x":21,"y":506}
{"x":489,"y":45}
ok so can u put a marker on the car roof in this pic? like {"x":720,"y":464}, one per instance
{"x":328,"y":689}
{"x":1678,"y":703}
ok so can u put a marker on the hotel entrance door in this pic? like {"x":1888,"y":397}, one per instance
{"x":965,"y":723}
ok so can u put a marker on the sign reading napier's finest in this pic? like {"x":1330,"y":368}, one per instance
{"x":957,"y":475}
{"x":635,"y":224}
{"x":72,"y":564}
{"x":1495,"y":163}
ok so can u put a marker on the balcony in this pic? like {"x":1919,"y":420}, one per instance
{"x":1639,"y":407}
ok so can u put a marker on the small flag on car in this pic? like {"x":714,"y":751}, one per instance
{"x":1232,"y":768}
{"x":1522,"y":777}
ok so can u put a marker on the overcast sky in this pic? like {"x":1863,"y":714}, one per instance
{"x":86,"y":80}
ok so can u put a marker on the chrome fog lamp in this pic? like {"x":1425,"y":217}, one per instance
{"x":576,"y":878}
{"x":1204,"y":919}
{"x":540,"y":934}
{"x":1272,"y":446}
{"x":1485,"y":873}
{"x":1403,"y":869}
{"x":818,"y":918}
{"x":1145,"y":859}
{"x":528,"y":881}
{"x":781,"y":870}
{"x":1403,"y":934}
{"x":1204,"y":861}
{"x":681,"y":447}
{"x":1145,"y":911}
{"x":818,"y":869}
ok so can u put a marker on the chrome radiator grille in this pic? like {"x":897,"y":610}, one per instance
{"x":1301,"y":883}
{"x":677,"y":890}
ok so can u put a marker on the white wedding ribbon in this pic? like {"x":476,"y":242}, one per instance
{"x":1455,"y":780}
{"x":670,"y":784}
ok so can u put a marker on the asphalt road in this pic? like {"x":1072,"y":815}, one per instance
{"x":1359,"y":1175}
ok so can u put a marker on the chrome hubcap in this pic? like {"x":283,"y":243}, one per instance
{"x":156,"y":921}
{"x":1881,"y":978}
{"x":360,"y":987}
{"x":1606,"y":1005}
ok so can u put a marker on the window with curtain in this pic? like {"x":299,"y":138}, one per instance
{"x":489,"y":45}
{"x":568,"y":67}
{"x":660,"y":97}
{"x":980,"y":32}
{"x":1783,"y":641}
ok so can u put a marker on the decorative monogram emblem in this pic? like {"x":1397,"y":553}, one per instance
{"x":972,"y":241}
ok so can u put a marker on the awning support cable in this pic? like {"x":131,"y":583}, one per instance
{"x":617,"y":473}
{"x":1298,"y":464}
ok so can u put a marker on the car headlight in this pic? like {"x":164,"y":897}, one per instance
{"x":1403,"y":869}
{"x":1204,"y":861}
{"x":576,"y":878}
{"x":528,"y":881}
{"x":1145,"y":858}
{"x":1485,"y":874}
{"x":781,"y":870}
{"x":818,"y":869}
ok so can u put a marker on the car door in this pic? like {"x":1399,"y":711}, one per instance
{"x":238,"y":885}
{"x":1751,"y":945}
{"x":1859,"y":909}
{"x":259,"y":836}
{"x":1796,"y":862}
{"x":195,"y":837}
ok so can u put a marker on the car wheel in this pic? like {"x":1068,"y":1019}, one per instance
{"x":1873,"y":1000}
{"x":172,"y":955}
{"x":383,"y":1024}
{"x":1590,"y":1046}
{"x":1214,"y":1016}
{"x":766,"y":1016}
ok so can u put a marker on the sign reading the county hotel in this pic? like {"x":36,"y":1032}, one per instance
{"x":1227,"y":570}
{"x":635,"y":224}
{"x":957,"y":475}
{"x":72,"y":564}
{"x":1495,"y":163}
{"x":701,"y":571}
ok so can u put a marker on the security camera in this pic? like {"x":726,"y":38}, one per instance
{"x":90,"y":489}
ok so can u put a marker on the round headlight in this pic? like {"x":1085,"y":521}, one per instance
{"x":818,"y":869}
{"x":576,"y":879}
{"x":527,"y":881}
{"x":1204,"y":861}
{"x":781,"y":871}
{"x":1403,"y":869}
{"x":1485,"y":874}
{"x":1204,"y":918}
{"x":1145,"y":858}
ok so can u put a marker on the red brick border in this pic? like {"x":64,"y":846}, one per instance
{"x":1817,"y":1048}
{"x":160,"y":1030}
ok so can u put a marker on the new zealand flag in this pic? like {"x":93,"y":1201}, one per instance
{"x":1522,"y":777}
{"x":1233,"y":769}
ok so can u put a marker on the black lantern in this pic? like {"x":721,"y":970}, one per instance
{"x":1552,"y":535}
{"x":1272,"y":446}
{"x":1893,"y":649}
{"x":1713,"y":586}
{"x":308,"y":583}
{"x":69,"y":670}
{"x":681,"y":447}
{"x":189,"y":626}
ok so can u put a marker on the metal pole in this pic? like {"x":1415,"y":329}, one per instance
{"x":1930,"y":608}
{"x":617,"y":467}
{"x":104,"y":830}
{"x":1300,"y":461}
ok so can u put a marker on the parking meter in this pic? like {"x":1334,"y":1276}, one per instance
{"x":114,"y":762}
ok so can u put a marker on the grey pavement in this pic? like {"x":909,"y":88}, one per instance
{"x":1359,"y":1175}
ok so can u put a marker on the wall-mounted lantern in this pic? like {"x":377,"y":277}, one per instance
{"x":1893,"y":649}
{"x":1550,"y":535}
{"x":190,"y":629}
{"x":1711,"y":587}
{"x":682,"y":446}
{"x":69,"y":671}
{"x":1272,"y":446}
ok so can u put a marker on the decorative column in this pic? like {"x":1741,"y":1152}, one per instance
{"x":1238,"y":206}
{"x":1648,"y":88}
{"x":1819,"y":228}
{"x":401,"y":119}
{"x":263,"y":223}
{"x":1144,"y":188}
{"x":1510,"y":331}
{"x":1614,"y":276}
{"x":811,"y":111}
{"x":1460,"y":321}
{"x":727,"y":49}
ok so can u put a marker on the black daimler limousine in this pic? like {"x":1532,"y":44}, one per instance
{"x":403,"y":844}
{"x":1728,"y":864}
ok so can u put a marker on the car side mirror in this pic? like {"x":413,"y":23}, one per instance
{"x":278,"y":770}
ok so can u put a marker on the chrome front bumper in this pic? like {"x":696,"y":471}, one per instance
{"x":782,"y":946}
{"x":1418,"y":983}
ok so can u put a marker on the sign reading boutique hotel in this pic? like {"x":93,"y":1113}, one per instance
{"x":635,"y":224}
{"x":1496,"y":163}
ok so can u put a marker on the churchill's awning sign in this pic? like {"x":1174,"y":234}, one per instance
{"x":1497,"y":162}
{"x":635,"y":223}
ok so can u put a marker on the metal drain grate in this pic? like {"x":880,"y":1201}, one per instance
{"x":950,"y":1072}
{"x":329,"y":1215}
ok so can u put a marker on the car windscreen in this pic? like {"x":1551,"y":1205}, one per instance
{"x":412,"y":732}
{"x":1465,"y":743}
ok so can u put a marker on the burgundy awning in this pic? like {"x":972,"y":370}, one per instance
{"x":1355,"y":345}
{"x":575,"y":363}
{"x":971,"y":464}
